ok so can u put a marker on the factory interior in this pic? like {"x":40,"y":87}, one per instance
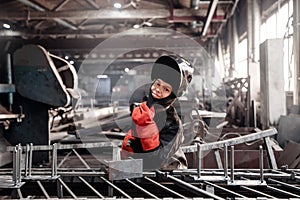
{"x":69,"y":70}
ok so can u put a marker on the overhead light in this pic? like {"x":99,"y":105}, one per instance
{"x":66,"y":57}
{"x":126,"y":69}
{"x":71,"y":62}
{"x":117,"y":5}
{"x":136,"y":26}
{"x":7,"y":26}
{"x":102,"y":76}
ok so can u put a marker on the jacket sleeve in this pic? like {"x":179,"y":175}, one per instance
{"x":146,"y":127}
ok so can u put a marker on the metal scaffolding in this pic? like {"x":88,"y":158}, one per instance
{"x":93,"y":179}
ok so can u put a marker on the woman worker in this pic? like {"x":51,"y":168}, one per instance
{"x":157,"y":132}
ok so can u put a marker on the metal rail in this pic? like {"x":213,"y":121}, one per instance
{"x":183,"y":184}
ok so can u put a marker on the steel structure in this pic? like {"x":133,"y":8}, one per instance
{"x":93,"y":179}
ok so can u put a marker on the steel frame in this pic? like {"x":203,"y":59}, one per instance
{"x":94,"y":183}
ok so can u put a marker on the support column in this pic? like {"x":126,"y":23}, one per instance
{"x":233,"y":45}
{"x":253,"y":31}
{"x":296,"y":41}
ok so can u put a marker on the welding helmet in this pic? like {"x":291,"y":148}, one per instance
{"x":174,"y":70}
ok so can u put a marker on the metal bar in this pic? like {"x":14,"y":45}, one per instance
{"x":283,"y":192}
{"x":218,"y":159}
{"x":225,"y":161}
{"x":224,"y":189}
{"x":142,"y":189}
{"x":190,"y":186}
{"x":103,"y":14}
{"x":67,"y":188}
{"x":284,"y":184}
{"x":20,"y":193}
{"x":231,"y":141}
{"x":9,"y":80}
{"x":115,"y":187}
{"x":26,"y":159}
{"x":232,"y":165}
{"x":81,"y":159}
{"x":54,"y":160}
{"x":271,"y":157}
{"x":14,"y":175}
{"x":71,"y":146}
{"x":91,"y":187}
{"x":37,"y":7}
{"x":257,"y":192}
{"x":199,"y":160}
{"x":43,"y":189}
{"x":19,"y":171}
{"x":64,"y":159}
{"x":60,"y":191}
{"x":212,"y":10}
{"x":165,"y":188}
{"x":261,"y":163}
{"x":30,"y":158}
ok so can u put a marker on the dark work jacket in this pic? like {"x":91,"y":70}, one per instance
{"x":168,"y":154}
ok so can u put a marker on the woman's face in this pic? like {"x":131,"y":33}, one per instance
{"x":160,"y":89}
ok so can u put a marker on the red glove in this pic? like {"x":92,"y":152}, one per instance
{"x":126,"y":149}
{"x":146,"y":127}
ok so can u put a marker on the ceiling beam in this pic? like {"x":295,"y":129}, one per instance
{"x":211,"y":12}
{"x":102,"y":14}
{"x":40,"y":9}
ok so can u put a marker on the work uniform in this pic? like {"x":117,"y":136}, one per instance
{"x":157,"y":132}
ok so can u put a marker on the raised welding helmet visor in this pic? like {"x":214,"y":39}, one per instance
{"x":174,"y":70}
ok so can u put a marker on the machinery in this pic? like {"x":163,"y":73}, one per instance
{"x":37,"y":82}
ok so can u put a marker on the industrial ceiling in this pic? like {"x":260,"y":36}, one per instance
{"x":99,"y":19}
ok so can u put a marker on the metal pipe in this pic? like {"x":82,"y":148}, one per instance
{"x":67,"y":188}
{"x":261,"y":163}
{"x":232,"y":164}
{"x":283,"y":192}
{"x":209,"y":17}
{"x":284,"y":184}
{"x":91,"y":187}
{"x":296,"y":49}
{"x":54,"y":160}
{"x":257,"y":192}
{"x":43,"y":189}
{"x":14,"y":175}
{"x":165,"y":188}
{"x":9,"y":80}
{"x":81,"y":159}
{"x":30,"y":159}
{"x":19,"y":162}
{"x":26,"y":159}
{"x":115,"y":187}
{"x":142,"y":189}
{"x":225,"y":161}
{"x":199,"y":160}
{"x":249,"y":35}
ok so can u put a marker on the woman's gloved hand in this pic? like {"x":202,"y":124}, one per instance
{"x":146,"y":127}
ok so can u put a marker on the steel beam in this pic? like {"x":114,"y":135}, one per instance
{"x":233,"y":141}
